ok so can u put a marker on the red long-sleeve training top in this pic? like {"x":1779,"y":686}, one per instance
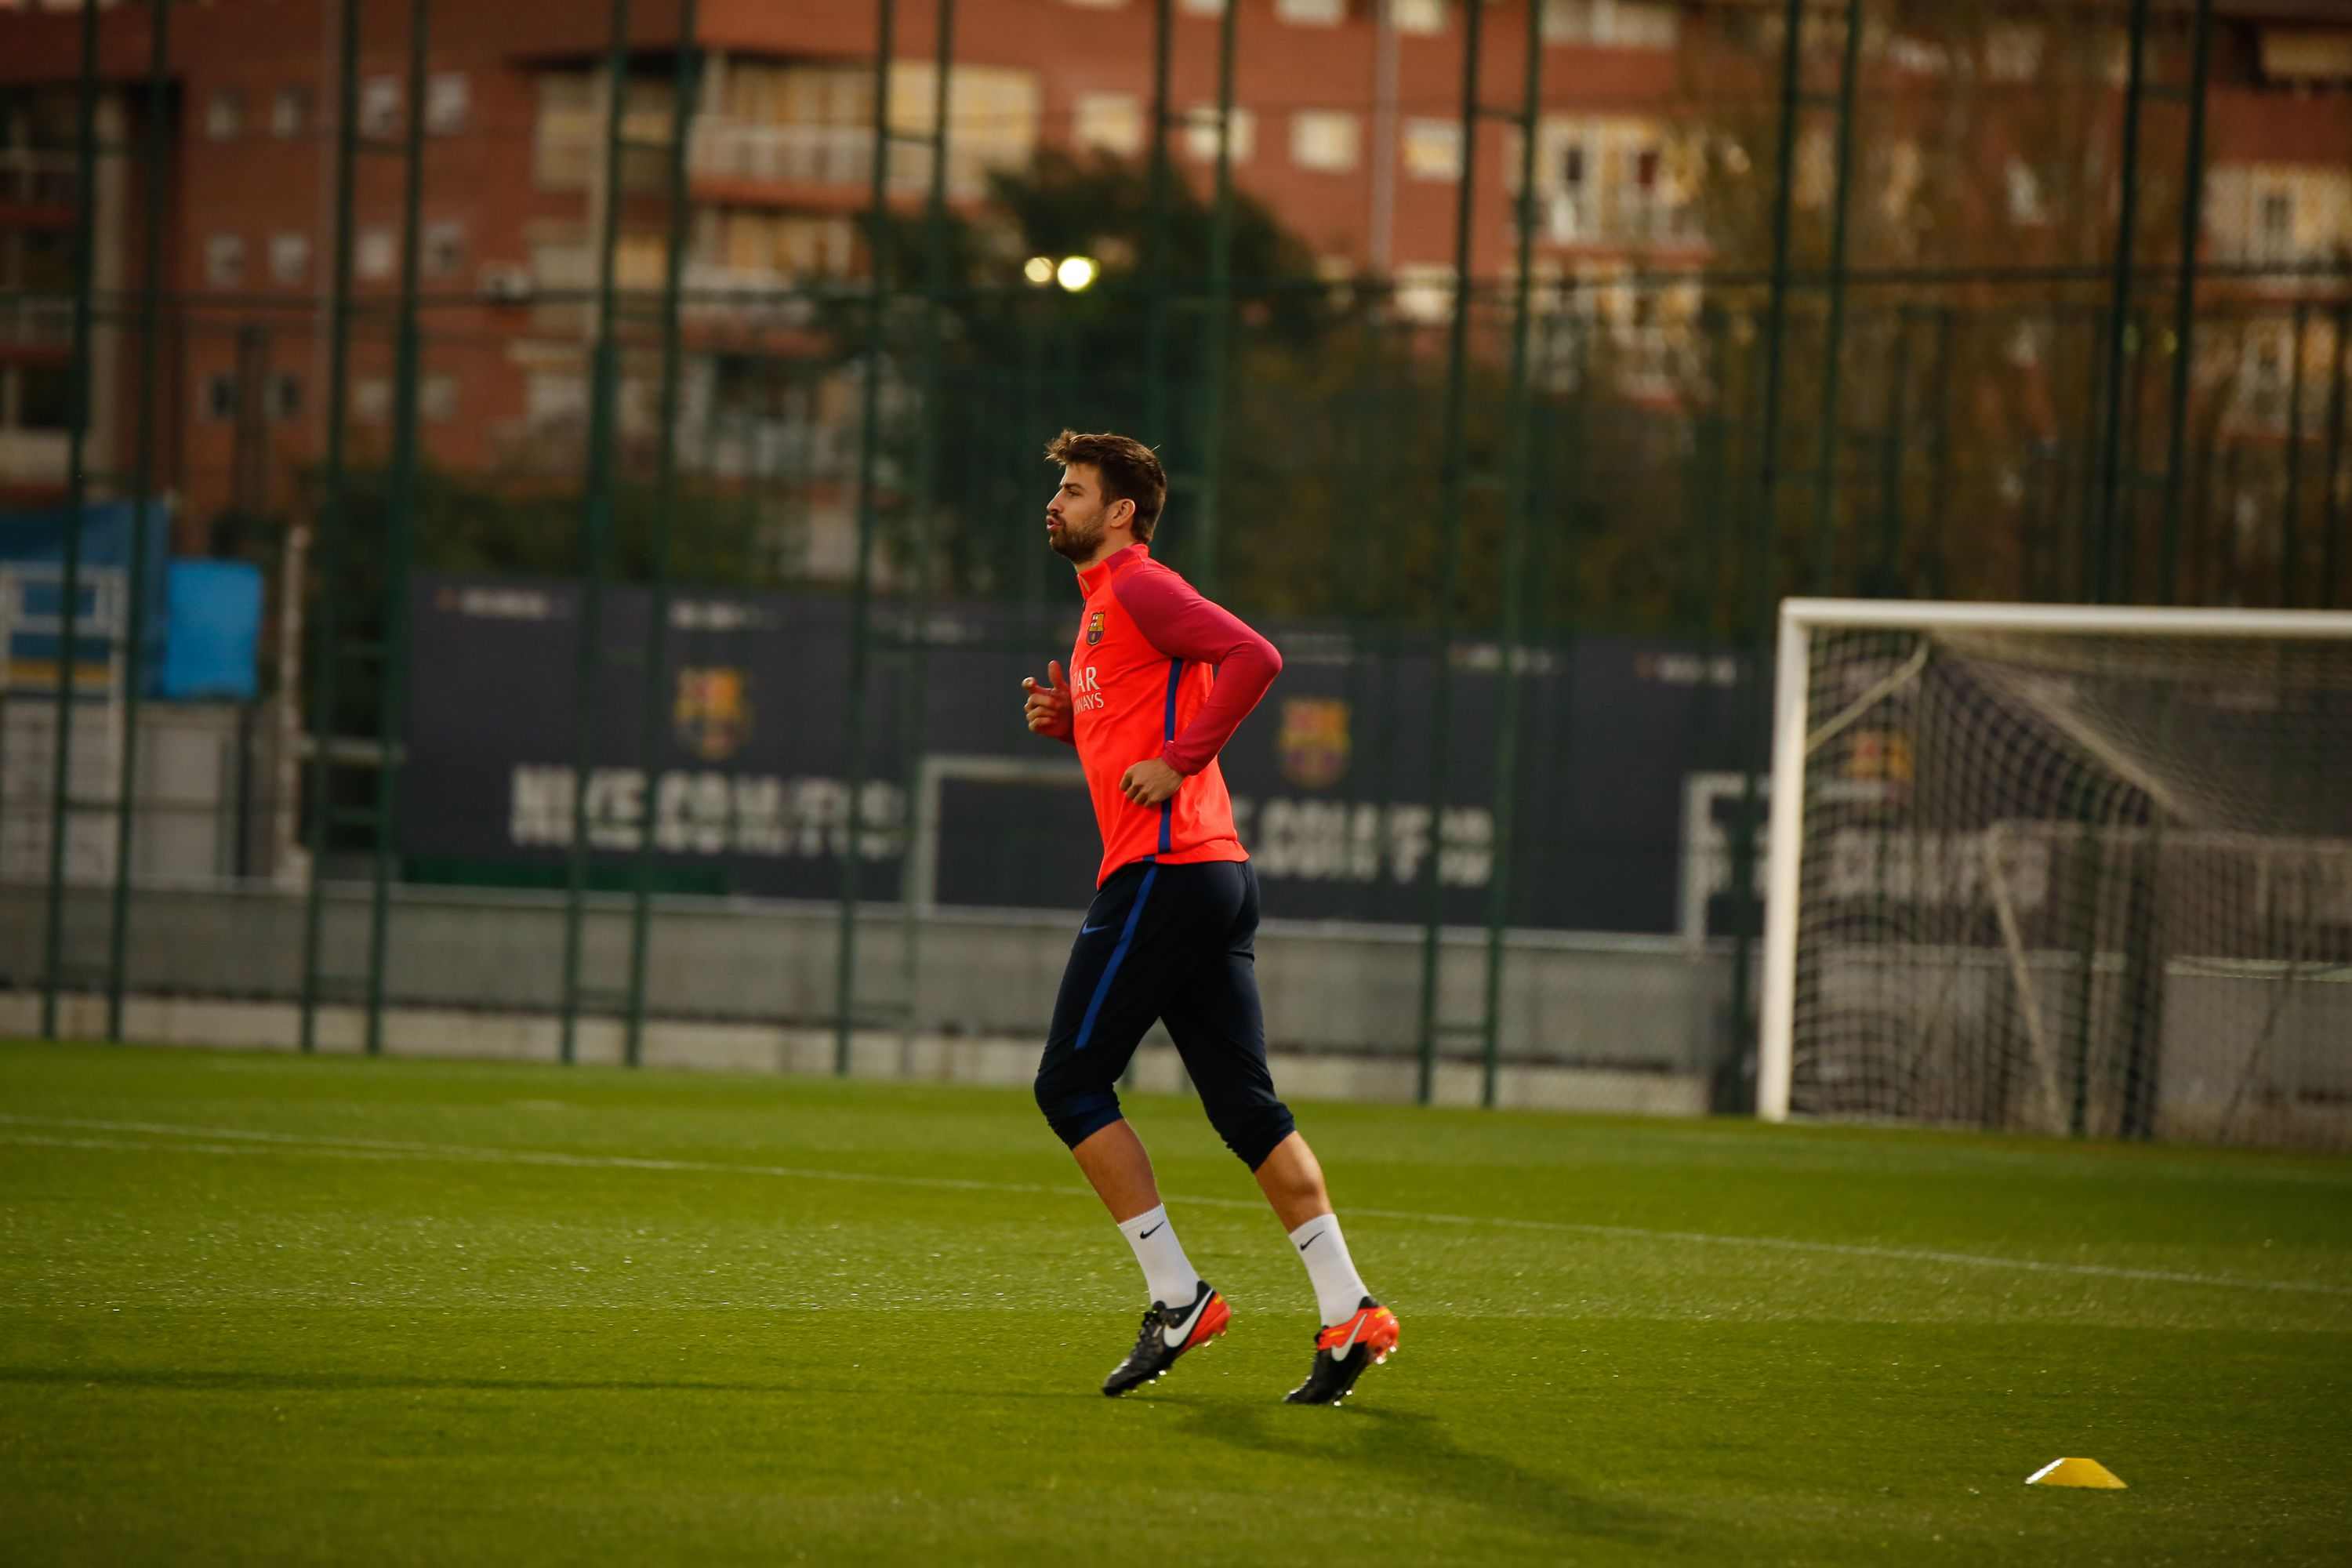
{"x":1160,"y":671}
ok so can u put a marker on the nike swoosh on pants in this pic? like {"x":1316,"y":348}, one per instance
{"x":1089,"y":931}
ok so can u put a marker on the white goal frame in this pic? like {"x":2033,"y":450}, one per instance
{"x":1777,"y":1020}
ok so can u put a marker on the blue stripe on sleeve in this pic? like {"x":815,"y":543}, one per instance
{"x":1168,"y":807}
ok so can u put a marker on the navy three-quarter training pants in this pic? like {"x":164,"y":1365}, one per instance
{"x":1175,"y":944}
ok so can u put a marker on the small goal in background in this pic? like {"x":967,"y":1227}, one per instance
{"x":2062,"y":868}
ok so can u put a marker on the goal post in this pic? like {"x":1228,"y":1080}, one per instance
{"x":2060,"y":868}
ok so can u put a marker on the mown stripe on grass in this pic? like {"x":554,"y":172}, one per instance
{"x":245,"y":1140}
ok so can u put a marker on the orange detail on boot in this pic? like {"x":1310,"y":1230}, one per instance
{"x":1213,"y":1319}
{"x":1374,"y":1326}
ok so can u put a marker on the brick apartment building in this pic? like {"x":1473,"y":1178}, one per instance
{"x":1346,"y":125}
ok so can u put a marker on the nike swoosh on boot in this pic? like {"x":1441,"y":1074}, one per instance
{"x":1173,"y":1335}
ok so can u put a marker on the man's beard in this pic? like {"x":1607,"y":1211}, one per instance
{"x":1075,"y":544}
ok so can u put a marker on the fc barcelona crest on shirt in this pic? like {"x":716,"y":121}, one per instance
{"x":712,"y":715}
{"x":1313,"y":742}
{"x":1094,"y":629}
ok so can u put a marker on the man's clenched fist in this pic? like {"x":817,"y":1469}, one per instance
{"x":1150,"y":782}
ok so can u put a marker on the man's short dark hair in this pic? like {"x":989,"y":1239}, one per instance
{"x":1130,"y":470}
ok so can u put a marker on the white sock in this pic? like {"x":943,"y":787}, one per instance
{"x":1166,"y":1269}
{"x":1339,"y":1289}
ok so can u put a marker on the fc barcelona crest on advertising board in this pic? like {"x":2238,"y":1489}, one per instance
{"x":712,"y":715}
{"x":1313,"y":743}
{"x":1094,"y":629}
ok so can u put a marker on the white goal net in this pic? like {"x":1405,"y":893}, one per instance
{"x":2062,"y":869}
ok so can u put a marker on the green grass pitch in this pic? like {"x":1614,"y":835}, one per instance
{"x":258,"y":1307}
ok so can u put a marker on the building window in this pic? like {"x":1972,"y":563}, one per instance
{"x":1425,"y":292}
{"x":563,"y":136}
{"x":1572,"y":213}
{"x":289,"y":258}
{"x":224,"y":114}
{"x":1312,"y":13}
{"x":1433,"y":149}
{"x":448,"y":97}
{"x":375,"y":254}
{"x":1643,"y":211}
{"x":1418,"y":15}
{"x":2025,"y":192}
{"x":1109,"y":121}
{"x":1205,"y":7}
{"x":1096,"y":4}
{"x":43,"y":397}
{"x":445,"y":248}
{"x":1905,"y":169}
{"x":1324,"y":140}
{"x":285,"y":396}
{"x":555,"y":397}
{"x":437,"y":398}
{"x":1201,"y":134}
{"x":289,"y":111}
{"x":224,"y":260}
{"x":2275,"y":226}
{"x":220,"y":396}
{"x":371,"y":400}
{"x":1610,"y":24}
{"x":380,"y":106}
{"x":1816,"y":179}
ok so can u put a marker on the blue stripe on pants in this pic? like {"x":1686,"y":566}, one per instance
{"x":1111,"y":970}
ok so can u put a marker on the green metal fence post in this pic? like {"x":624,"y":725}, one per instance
{"x":686,"y":83}
{"x":2106,"y":534}
{"x":1939,"y":457}
{"x":1216,"y":338}
{"x":1756,"y":688}
{"x":1454,"y":479}
{"x":399,"y":533}
{"x":1155,"y":336}
{"x":869,"y":443}
{"x":915,"y":689}
{"x":1519,"y":501}
{"x":2184,"y":306}
{"x":151,"y":286}
{"x":2291,"y":513}
{"x":1834,"y":350}
{"x":1887,"y":579}
{"x":61,"y":801}
{"x":331,"y":519}
{"x":596,"y":524}
{"x":2337,"y":516}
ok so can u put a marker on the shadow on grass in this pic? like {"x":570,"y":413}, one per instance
{"x":165,"y":1378}
{"x":1410,"y":1452}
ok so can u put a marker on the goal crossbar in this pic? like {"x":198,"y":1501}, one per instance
{"x":1799,"y":619}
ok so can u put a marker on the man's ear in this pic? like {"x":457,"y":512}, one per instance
{"x":1115,"y":519}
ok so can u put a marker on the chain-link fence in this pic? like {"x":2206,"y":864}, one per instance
{"x":646,"y":620}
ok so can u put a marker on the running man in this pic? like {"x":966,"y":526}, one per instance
{"x":1159,"y":678}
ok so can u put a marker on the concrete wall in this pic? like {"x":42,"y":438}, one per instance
{"x":1630,"y":1022}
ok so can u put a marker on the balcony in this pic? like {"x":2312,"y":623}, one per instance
{"x":745,"y":447}
{"x":40,"y":325}
{"x":711,"y":294}
{"x":1568,"y":217}
{"x":33,"y":460}
{"x":838,"y":157}
{"x":740,"y":297}
{"x":50,"y":181}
